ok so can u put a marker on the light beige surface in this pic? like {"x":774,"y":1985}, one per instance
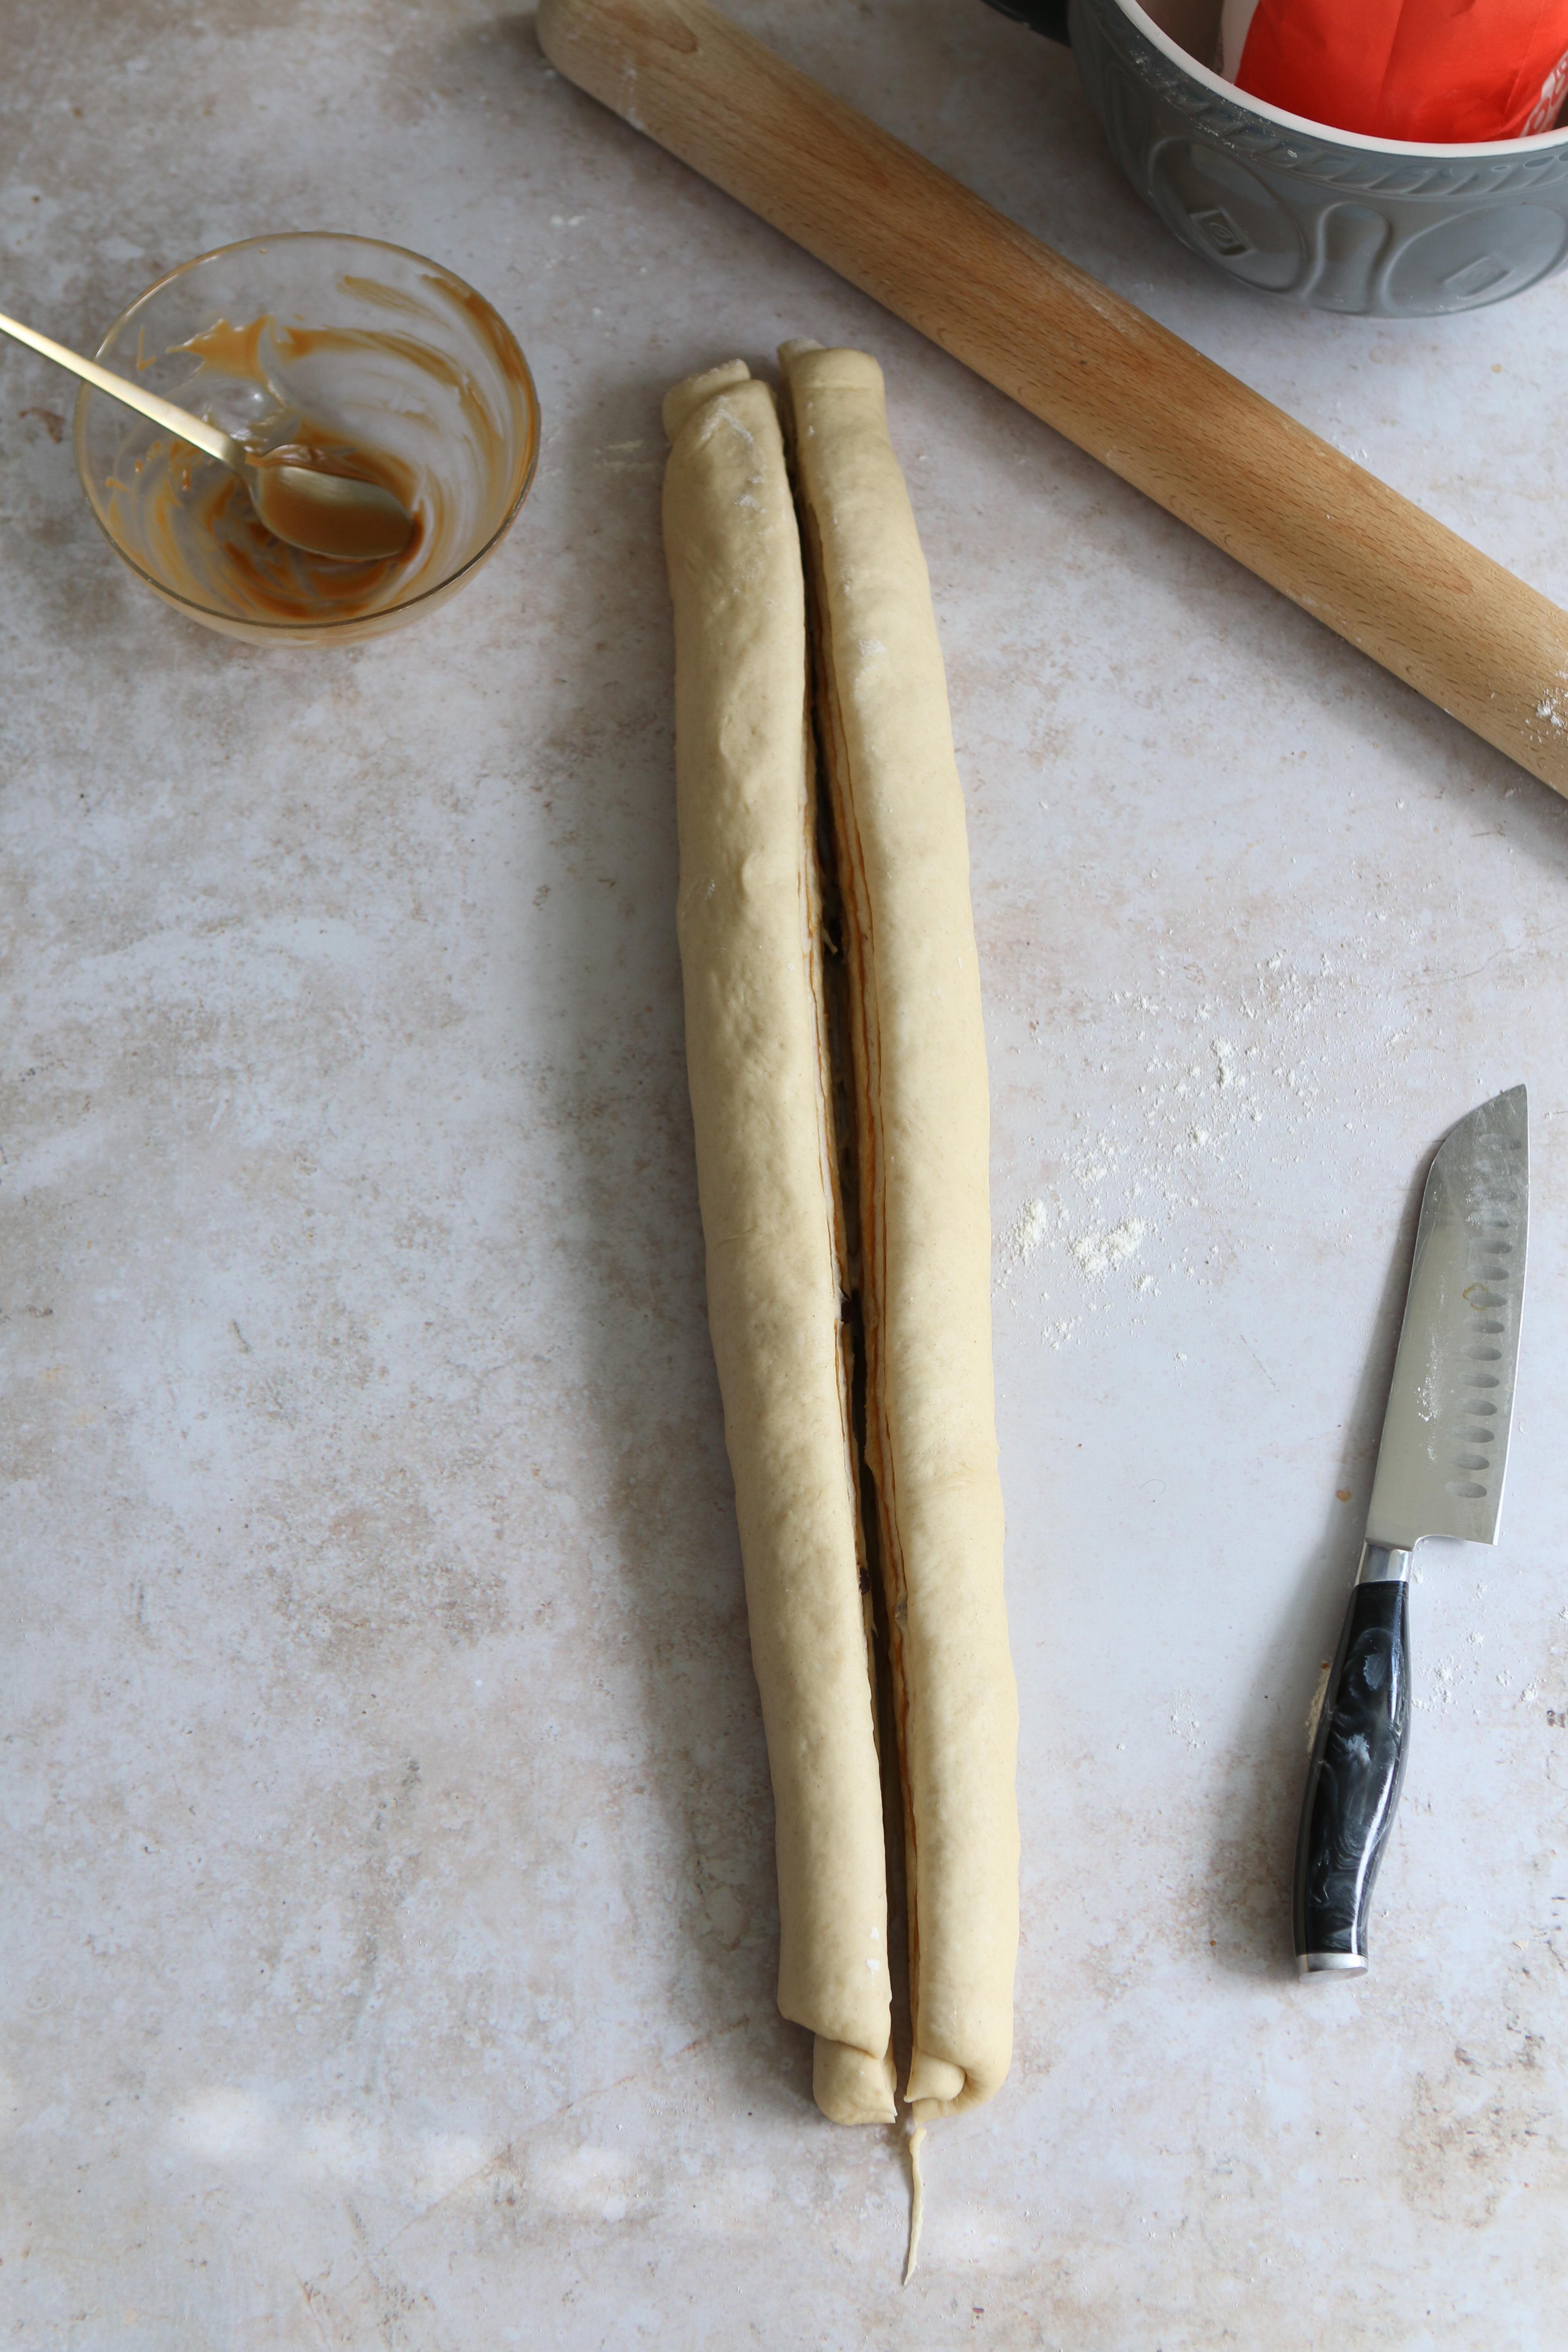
{"x":749,"y":925}
{"x":390,"y":1943}
{"x":923,"y":1123}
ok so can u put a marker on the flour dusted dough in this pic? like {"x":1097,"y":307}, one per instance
{"x":748,"y":920}
{"x":923,"y":1151}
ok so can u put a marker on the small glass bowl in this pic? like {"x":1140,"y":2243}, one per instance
{"x":329,"y":340}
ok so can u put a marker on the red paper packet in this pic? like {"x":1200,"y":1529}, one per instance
{"x":1435,"y":72}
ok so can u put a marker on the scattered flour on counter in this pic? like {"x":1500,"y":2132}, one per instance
{"x":1459,"y":1672}
{"x":1186,"y":1723}
{"x":1035,"y":1229}
{"x":1097,"y":1252}
{"x":1222,"y":1091}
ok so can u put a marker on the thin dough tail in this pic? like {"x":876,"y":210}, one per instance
{"x":917,"y":2201}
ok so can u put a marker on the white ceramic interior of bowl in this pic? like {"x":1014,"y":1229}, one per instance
{"x":1187,"y":32}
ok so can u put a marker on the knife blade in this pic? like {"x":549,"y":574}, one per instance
{"x":1440,"y":1470}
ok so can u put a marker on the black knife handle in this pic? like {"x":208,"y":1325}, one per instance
{"x":1358,"y":1763}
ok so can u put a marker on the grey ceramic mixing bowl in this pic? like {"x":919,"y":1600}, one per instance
{"x":1325,"y":218}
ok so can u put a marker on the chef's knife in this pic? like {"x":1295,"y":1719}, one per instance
{"x":1439,"y":1473}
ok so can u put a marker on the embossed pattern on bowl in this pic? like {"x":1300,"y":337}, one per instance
{"x":1341,"y":223}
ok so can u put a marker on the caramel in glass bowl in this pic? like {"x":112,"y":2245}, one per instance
{"x":340,"y":350}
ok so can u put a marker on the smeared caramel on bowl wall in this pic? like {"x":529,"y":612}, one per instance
{"x":189,"y":524}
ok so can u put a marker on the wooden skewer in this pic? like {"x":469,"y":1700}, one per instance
{"x":1461,"y":629}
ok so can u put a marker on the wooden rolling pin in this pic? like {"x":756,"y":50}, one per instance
{"x":1423,"y":602}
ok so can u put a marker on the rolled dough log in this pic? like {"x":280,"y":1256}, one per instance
{"x":923,"y":1156}
{"x":750,"y":959}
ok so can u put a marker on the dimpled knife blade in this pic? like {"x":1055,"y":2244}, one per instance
{"x":1440,"y":1470}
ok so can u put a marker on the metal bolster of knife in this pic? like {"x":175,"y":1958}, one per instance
{"x":1383,"y":1564}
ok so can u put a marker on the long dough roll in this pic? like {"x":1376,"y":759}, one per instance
{"x":748,"y":922}
{"x":923,"y":1153}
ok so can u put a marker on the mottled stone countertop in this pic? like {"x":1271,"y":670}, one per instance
{"x":389,"y":1923}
